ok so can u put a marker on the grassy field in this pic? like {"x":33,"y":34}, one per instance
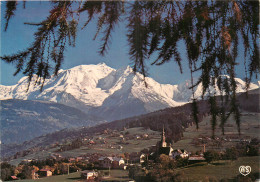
{"x":59,"y":178}
{"x":115,"y":175}
{"x":132,"y":145}
{"x":220,"y":169}
{"x":40,"y":155}
{"x":249,"y":127}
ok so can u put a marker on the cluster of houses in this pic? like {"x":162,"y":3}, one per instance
{"x":220,"y":141}
{"x":168,"y":150}
{"x":37,"y":174}
{"x":111,"y":162}
{"x":117,"y":162}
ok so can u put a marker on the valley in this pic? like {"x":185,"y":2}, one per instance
{"x":92,"y":113}
{"x":134,"y":140}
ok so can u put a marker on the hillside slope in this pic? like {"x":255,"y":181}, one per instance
{"x":175,"y":120}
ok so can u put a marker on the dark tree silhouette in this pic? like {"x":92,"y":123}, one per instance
{"x":211,"y":31}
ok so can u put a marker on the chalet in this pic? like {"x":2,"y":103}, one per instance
{"x":45,"y":173}
{"x":89,"y":175}
{"x":111,"y":162}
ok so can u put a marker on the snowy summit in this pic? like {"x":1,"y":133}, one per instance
{"x":106,"y":92}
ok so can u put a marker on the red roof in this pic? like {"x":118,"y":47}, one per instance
{"x":14,"y":177}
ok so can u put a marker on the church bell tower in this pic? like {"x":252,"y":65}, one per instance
{"x":164,"y":144}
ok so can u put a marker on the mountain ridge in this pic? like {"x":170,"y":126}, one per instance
{"x":175,"y":120}
{"x":106,"y":92}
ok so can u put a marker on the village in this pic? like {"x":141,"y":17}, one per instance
{"x":102,"y":165}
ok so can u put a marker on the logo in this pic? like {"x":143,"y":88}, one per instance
{"x":245,"y":170}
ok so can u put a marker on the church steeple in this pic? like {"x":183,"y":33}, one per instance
{"x":164,"y":144}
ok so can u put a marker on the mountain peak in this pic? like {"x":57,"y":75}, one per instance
{"x":90,"y":66}
{"x":102,"y":64}
{"x":126,"y":70}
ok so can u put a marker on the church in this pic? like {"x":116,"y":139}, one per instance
{"x":164,"y":148}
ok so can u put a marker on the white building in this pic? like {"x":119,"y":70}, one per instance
{"x":182,"y":153}
{"x":89,"y":174}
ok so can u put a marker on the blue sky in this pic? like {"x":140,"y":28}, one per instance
{"x":20,"y":36}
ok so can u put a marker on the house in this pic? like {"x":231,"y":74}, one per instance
{"x":92,"y":142}
{"x":145,"y":135}
{"x":196,"y":158}
{"x":14,"y":178}
{"x":28,"y":160}
{"x":56,"y":156}
{"x":180,"y":152}
{"x":72,"y":159}
{"x":45,"y":173}
{"x":89,"y":175}
{"x":79,"y":159}
{"x":35,"y":175}
{"x":111,"y":162}
{"x":142,"y":158}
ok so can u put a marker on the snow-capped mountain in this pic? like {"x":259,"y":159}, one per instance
{"x":106,"y":92}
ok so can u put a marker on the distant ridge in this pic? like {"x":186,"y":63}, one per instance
{"x":23,"y":120}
